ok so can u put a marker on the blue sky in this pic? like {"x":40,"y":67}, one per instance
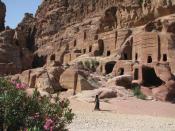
{"x":17,"y":8}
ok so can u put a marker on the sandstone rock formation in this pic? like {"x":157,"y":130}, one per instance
{"x":107,"y":93}
{"x":2,"y":15}
{"x":76,"y":80}
{"x":44,"y":79}
{"x":14,"y":58}
{"x":16,"y":54}
{"x":126,"y":37}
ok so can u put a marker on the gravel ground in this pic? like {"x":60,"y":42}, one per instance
{"x":108,"y":121}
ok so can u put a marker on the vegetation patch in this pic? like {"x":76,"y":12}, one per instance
{"x":35,"y":113}
{"x":137,"y":92}
{"x":89,"y":64}
{"x":140,"y":2}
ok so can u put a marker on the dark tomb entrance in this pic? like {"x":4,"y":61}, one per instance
{"x":109,"y":67}
{"x":150,"y":78}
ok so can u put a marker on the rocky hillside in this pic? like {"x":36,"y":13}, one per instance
{"x":67,"y":41}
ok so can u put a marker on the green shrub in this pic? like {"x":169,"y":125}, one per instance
{"x":94,"y":64}
{"x":35,"y":113}
{"x":89,"y":64}
{"x":80,"y":65}
{"x":137,"y":92}
{"x":140,"y":2}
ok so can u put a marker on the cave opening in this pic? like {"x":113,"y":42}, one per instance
{"x":136,"y":74}
{"x":52,"y":57}
{"x":17,"y":43}
{"x":90,"y":48}
{"x":125,"y":56}
{"x":110,"y":19}
{"x":150,"y":79}
{"x":127,"y":52}
{"x":165,"y":57}
{"x":113,"y":10}
{"x":39,"y":61}
{"x":77,"y":51}
{"x":108,"y":53}
{"x":121,"y":71}
{"x":149,"y":60}
{"x":109,"y":67}
{"x":75,"y":43}
{"x":136,"y":56}
{"x":85,"y":35}
{"x":96,"y":37}
{"x":101,"y":47}
{"x":84,"y":51}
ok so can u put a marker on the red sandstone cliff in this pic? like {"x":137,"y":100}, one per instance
{"x":125,"y":37}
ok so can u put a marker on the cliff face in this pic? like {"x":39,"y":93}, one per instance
{"x":2,"y":15}
{"x":59,"y":23}
{"x":16,"y":51}
{"x":125,"y":37}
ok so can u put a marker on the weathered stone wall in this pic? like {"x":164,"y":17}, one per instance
{"x":145,"y":46}
{"x":61,"y":23}
{"x":68,"y":29}
{"x":123,"y":67}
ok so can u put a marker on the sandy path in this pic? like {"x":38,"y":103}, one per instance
{"x":104,"y":121}
{"x":124,"y":115}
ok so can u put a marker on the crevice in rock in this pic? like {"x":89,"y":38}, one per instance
{"x":31,"y":39}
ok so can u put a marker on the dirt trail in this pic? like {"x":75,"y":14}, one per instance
{"x":123,"y":115}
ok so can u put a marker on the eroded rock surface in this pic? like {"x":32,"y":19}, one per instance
{"x":133,"y":38}
{"x":2,"y":15}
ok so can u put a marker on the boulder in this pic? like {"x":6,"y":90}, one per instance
{"x":74,"y":79}
{"x":124,"y":80}
{"x":89,"y":95}
{"x":171,"y":90}
{"x":83,"y":84}
{"x":160,"y":93}
{"x":46,"y":79}
{"x":165,"y":92}
{"x":146,"y":91}
{"x":107,"y":93}
{"x":68,"y":80}
{"x":164,"y":72}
